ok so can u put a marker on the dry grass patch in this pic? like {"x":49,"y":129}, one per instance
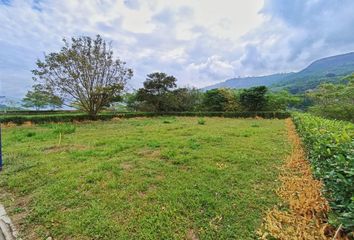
{"x":305,"y":213}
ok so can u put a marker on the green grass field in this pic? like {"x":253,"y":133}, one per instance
{"x":143,"y":178}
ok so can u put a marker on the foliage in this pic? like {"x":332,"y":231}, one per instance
{"x":185,"y":99}
{"x":330,"y":147}
{"x":214,"y":100}
{"x":334,"y":100}
{"x":201,"y":121}
{"x":71,"y":117}
{"x":63,"y":128}
{"x":85,"y":72}
{"x":143,"y":179}
{"x":254,"y":99}
{"x":223,"y":100}
{"x":130,"y":99}
{"x":42,"y":97}
{"x":156,"y":92}
{"x":280,"y":101}
{"x":160,"y":94}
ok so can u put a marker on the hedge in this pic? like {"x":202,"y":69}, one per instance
{"x":19,"y":119}
{"x":330,"y":149}
{"x":39,"y":112}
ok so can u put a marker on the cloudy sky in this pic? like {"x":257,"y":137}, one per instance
{"x":201,"y":42}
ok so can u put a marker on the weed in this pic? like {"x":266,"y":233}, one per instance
{"x":201,"y":121}
{"x":64,"y":128}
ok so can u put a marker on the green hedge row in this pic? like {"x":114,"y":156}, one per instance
{"x":39,"y":112}
{"x":330,"y":148}
{"x":19,"y":119}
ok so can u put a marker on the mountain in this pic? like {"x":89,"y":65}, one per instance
{"x":329,"y":69}
{"x":247,"y":82}
{"x":7,"y":103}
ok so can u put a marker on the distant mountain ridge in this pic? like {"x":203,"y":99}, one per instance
{"x":9,"y":102}
{"x":329,"y":69}
{"x":246,"y":82}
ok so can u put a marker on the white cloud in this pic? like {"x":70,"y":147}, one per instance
{"x":200,"y":42}
{"x":149,"y":35}
{"x":213,"y":68}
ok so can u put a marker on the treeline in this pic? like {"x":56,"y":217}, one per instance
{"x":160,"y":94}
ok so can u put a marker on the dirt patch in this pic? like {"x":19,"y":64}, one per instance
{"x":160,"y":177}
{"x":27,"y":124}
{"x":126,"y":166}
{"x":149,"y":153}
{"x":192,"y":235}
{"x":82,"y":122}
{"x":64,"y":148}
{"x":8,"y":125}
{"x":304,"y":215}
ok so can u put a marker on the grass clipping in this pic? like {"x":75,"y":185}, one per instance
{"x":305,"y":213}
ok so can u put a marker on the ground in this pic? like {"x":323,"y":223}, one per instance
{"x":146,"y":178}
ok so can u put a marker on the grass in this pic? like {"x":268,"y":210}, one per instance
{"x":144,"y":178}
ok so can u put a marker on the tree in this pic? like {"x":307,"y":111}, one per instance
{"x":157,"y":88}
{"x":186,"y":99}
{"x":214,"y":101}
{"x":220,"y":100}
{"x":280,"y":101}
{"x":334,"y":100}
{"x":254,"y":99}
{"x":85,"y":72}
{"x":232,"y":103}
{"x":41,"y":97}
{"x":178,"y":100}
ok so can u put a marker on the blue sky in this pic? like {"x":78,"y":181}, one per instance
{"x":201,"y":42}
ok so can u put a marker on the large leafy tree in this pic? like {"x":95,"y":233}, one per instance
{"x":254,"y":99}
{"x":41,"y":97}
{"x":186,"y":99}
{"x":85,"y":72}
{"x":179,"y":100}
{"x":156,"y":91}
{"x":220,"y":100}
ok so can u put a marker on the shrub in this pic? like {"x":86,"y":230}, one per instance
{"x":201,"y":121}
{"x":330,"y":148}
{"x":64,"y":128}
{"x":71,"y":117}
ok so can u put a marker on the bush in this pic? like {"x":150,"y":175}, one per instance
{"x":64,"y":128}
{"x":201,"y":121}
{"x":20,"y":119}
{"x":330,"y":148}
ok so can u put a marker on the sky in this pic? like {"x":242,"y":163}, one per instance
{"x":201,"y":42}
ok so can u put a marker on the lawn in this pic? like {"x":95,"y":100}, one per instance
{"x":143,"y":178}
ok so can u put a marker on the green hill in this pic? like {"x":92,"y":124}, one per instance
{"x":247,"y":82}
{"x":330,"y":69}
